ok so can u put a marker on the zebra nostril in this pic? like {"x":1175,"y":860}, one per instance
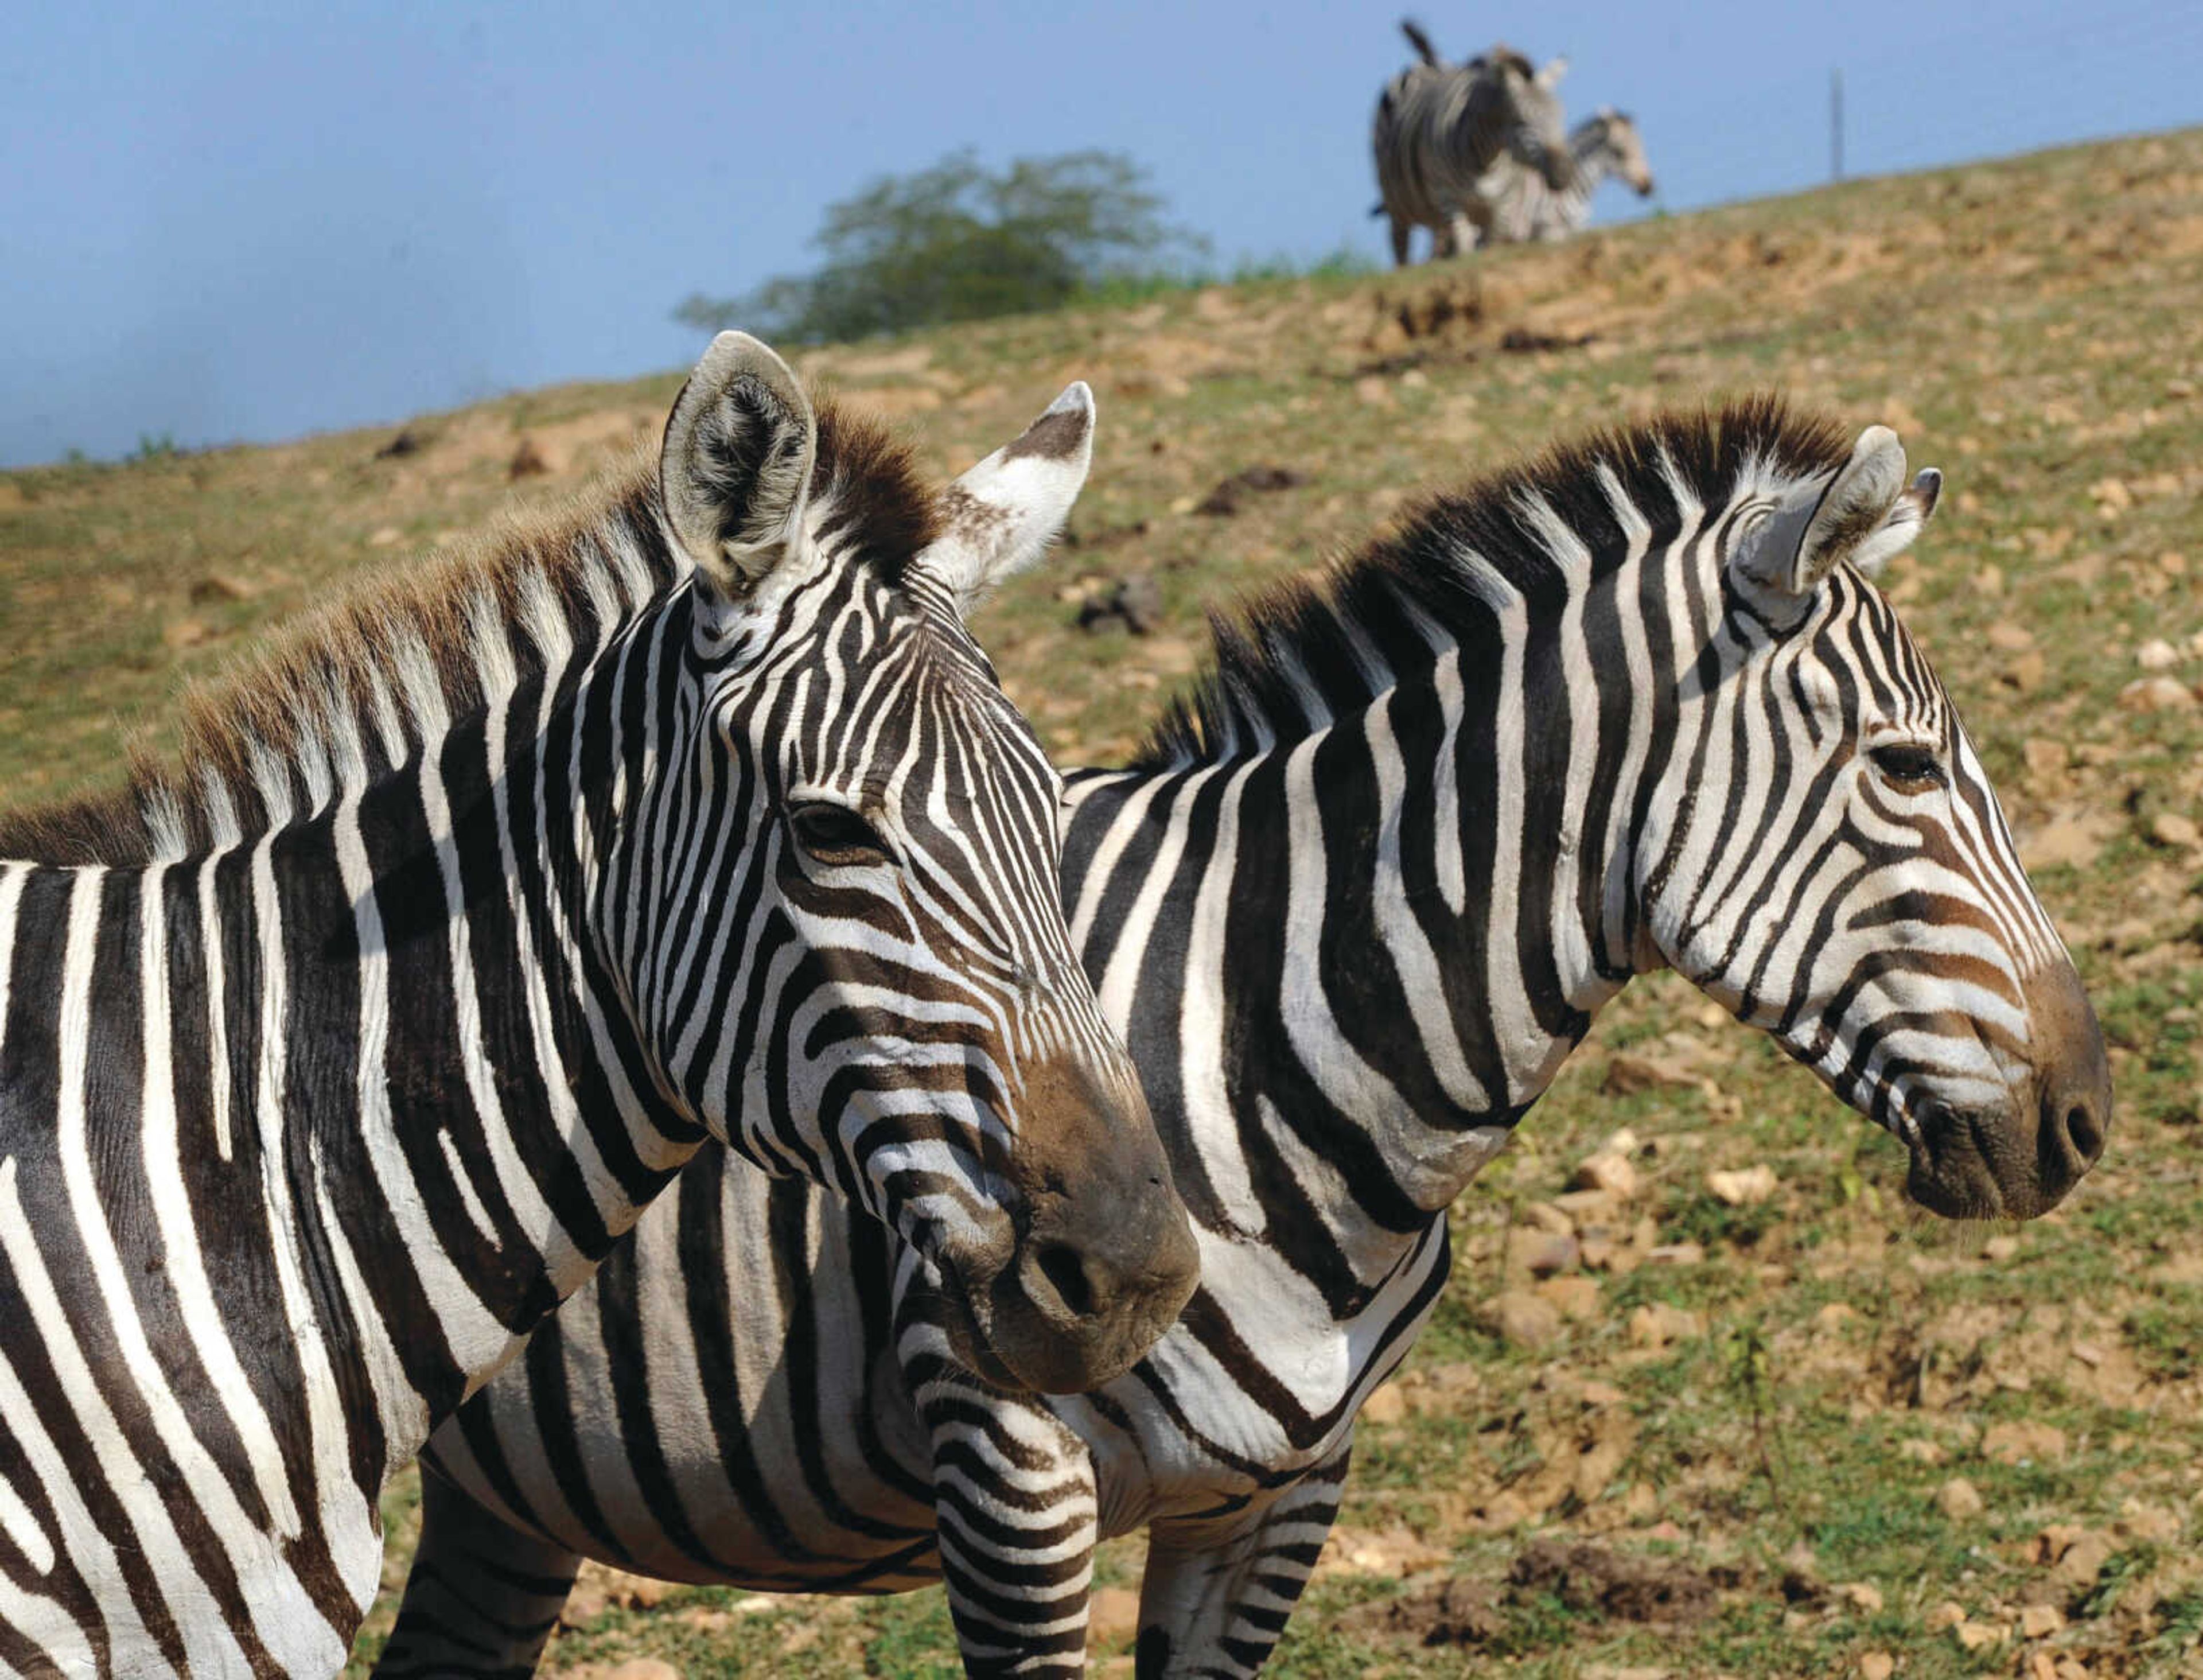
{"x":2084,"y":1136}
{"x":1066,"y":1272}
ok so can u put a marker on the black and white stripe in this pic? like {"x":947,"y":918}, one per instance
{"x":1635,"y":706}
{"x":1526,"y":209}
{"x":330,"y":1063}
{"x":1443,"y":132}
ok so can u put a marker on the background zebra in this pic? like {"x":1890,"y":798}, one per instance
{"x":332,"y":1059}
{"x":1633,"y":705}
{"x":1526,"y":209}
{"x":1443,"y":129}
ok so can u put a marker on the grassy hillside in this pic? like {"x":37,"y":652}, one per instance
{"x":1808,"y":1434}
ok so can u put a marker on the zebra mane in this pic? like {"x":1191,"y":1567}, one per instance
{"x":356,"y":687}
{"x":1304,"y":653}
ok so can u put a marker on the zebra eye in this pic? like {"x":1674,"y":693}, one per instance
{"x":1907,"y":768}
{"x":836,"y":835}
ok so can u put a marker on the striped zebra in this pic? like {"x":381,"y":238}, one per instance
{"x":1443,"y":132}
{"x":1635,"y":705}
{"x":1526,"y":209}
{"x":332,"y":1059}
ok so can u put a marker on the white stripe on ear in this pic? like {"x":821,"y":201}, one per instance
{"x":999,"y":517}
{"x":735,"y":467}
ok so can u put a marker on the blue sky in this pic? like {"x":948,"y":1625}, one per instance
{"x":228,"y":221}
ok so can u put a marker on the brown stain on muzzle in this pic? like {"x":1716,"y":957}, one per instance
{"x":1105,"y":1258}
{"x":2023,"y":1163}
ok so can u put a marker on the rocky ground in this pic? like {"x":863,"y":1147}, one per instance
{"x":1705,"y":1398}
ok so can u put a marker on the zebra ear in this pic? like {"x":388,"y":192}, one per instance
{"x":1551,"y":72}
{"x":1865,"y":515}
{"x":999,"y":517}
{"x":735,"y":468}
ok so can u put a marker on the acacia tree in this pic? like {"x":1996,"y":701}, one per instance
{"x":956,"y":242}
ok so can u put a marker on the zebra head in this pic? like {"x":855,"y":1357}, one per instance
{"x":1615,"y":133}
{"x":1829,"y":860}
{"x":863,"y":973}
{"x":1535,"y":129}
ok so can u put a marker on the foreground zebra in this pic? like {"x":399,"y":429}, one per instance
{"x":1443,"y":132}
{"x":1633,"y":706}
{"x":1526,"y":209}
{"x":335,"y":1058}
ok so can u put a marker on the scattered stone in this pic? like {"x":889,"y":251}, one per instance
{"x":2040,"y":1621}
{"x":2169,"y":828}
{"x":1135,"y":603}
{"x":2075,"y":1556}
{"x":1745,"y":1188}
{"x":528,"y":461}
{"x":1676,"y":1254}
{"x":1862,"y":1595}
{"x":1657,"y":1324}
{"x":1395,"y":1550}
{"x":1548,"y":1217}
{"x":1574,"y":1297}
{"x":181,"y":633}
{"x":2155,"y":693}
{"x":599,"y":1587}
{"x":1224,"y":500}
{"x":1877,"y":1665}
{"x":2075,"y":837}
{"x":1462,"y":1610}
{"x":1945,"y":1615}
{"x":1980,"y":1635}
{"x":1528,"y":1320}
{"x":1542,"y":1253}
{"x":2006,"y":637}
{"x":1372,"y":392}
{"x":2156,"y":654}
{"x":1386,"y":1405}
{"x":2001,"y":1248}
{"x":1607,"y":1172}
{"x":1959,"y":1500}
{"x":1627,"y":1073}
{"x":1920,"y":1450}
{"x":2023,"y":1443}
{"x":385,"y":536}
{"x":2025,"y":672}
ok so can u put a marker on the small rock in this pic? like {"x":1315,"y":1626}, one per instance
{"x":1607,"y":1172}
{"x":2040,"y":1621}
{"x":1676,"y":1254}
{"x":1541,"y":1253}
{"x":2169,"y":828}
{"x":1573,"y":1297}
{"x":643,"y":1668}
{"x":1862,"y":1596}
{"x":2155,"y":693}
{"x":1387,"y":1406}
{"x":1627,"y":1073}
{"x":1745,"y":1188}
{"x":2046,"y":759}
{"x":384,"y":537}
{"x":1945,"y":1615}
{"x":1372,"y":392}
{"x":2001,"y":1248}
{"x":2156,"y":654}
{"x":528,"y":461}
{"x":1980,"y":1635}
{"x":1920,"y":1450}
{"x":1959,"y":1500}
{"x":1657,"y":1324}
{"x":2007,"y":638}
{"x":223,"y":586}
{"x":1877,"y":1665}
{"x":2025,"y":672}
{"x":1526,"y":1319}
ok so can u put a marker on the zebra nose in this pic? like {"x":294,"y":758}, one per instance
{"x":2073,"y":1088}
{"x":2072,"y":1128}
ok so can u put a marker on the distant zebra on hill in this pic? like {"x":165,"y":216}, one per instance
{"x":1528,"y":210}
{"x":1442,"y":130}
{"x":334,"y":1058}
{"x":1635,"y":705}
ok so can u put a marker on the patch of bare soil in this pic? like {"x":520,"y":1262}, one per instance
{"x":1585,"y":1577}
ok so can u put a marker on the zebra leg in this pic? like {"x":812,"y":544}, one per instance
{"x":482,"y":1597}
{"x":1215,"y":1609}
{"x":1400,"y":229}
{"x":1018,"y":1521}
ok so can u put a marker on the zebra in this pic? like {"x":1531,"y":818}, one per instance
{"x":1607,"y":143}
{"x":1634,"y":704}
{"x":334,"y":1057}
{"x":1443,"y":132}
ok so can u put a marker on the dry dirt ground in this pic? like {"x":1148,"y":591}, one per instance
{"x":1739,"y":1411}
